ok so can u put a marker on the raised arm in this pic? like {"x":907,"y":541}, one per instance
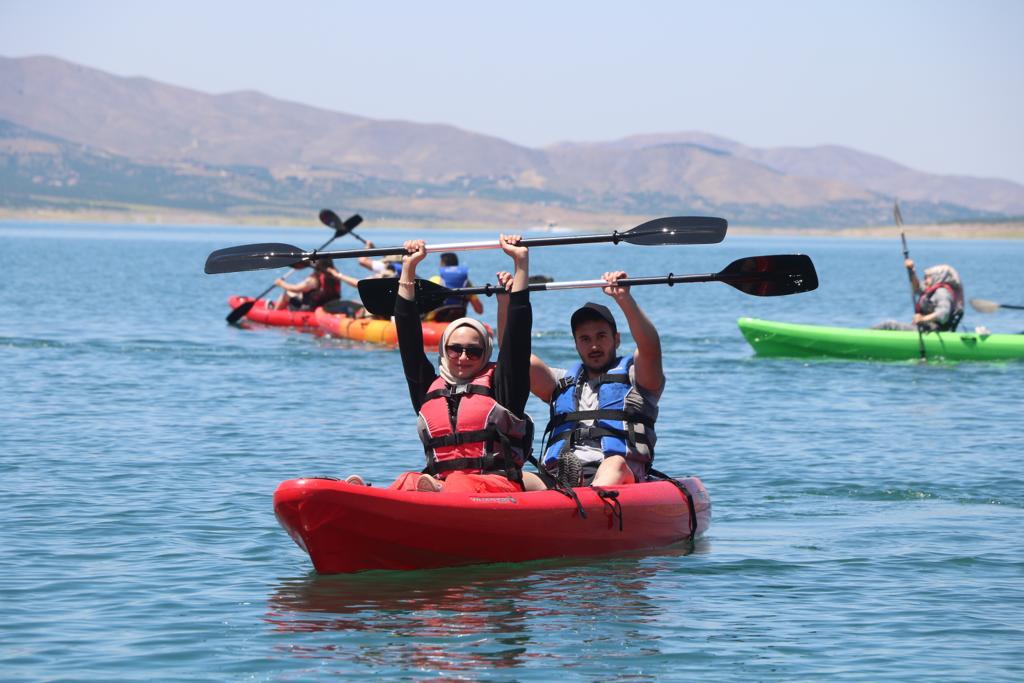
{"x":347,"y":279}
{"x":366,"y":261}
{"x":647,"y":359}
{"x":511,"y":376}
{"x":914,"y":282}
{"x":419,"y":372}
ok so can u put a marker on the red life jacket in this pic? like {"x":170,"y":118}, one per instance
{"x":328,"y":289}
{"x":954,"y":315}
{"x":475,"y":436}
{"x":330,"y":286}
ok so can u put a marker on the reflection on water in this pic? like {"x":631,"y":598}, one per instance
{"x":492,"y":616}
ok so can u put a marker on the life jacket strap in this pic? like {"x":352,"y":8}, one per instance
{"x":460,"y":438}
{"x":502,"y":462}
{"x":580,"y":434}
{"x":452,"y":390}
{"x":488,"y":464}
{"x":608,"y":378}
{"x":602,"y":414}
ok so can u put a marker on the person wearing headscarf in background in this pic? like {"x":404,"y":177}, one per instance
{"x":471,"y":412}
{"x":321,"y":286}
{"x":940,"y":302}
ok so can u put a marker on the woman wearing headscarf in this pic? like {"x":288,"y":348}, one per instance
{"x":471,"y":412}
{"x":940,"y":301}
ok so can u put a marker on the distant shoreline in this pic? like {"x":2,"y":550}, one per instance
{"x":973,"y":230}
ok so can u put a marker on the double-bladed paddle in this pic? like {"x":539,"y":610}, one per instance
{"x":331,"y":220}
{"x":986,"y":306}
{"x":777,"y":275}
{"x":340,"y":229}
{"x":660,"y":231}
{"x":898,"y":217}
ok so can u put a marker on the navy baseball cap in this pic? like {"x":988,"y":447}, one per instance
{"x":592,"y":311}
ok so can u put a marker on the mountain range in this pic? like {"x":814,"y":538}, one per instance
{"x":79,"y":139}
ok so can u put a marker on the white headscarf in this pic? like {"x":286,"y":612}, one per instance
{"x":443,"y":370}
{"x":944,"y":273}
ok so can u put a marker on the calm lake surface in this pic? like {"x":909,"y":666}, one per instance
{"x":867,"y":516}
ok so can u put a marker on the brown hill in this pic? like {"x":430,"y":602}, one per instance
{"x":849,"y":167}
{"x":265,"y":153}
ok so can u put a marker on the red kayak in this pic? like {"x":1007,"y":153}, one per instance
{"x":284,"y":317}
{"x":347,"y":528}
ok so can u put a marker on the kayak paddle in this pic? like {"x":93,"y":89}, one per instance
{"x":913,"y":294}
{"x":986,"y":306}
{"x":757,"y":275}
{"x":331,"y":220}
{"x":660,"y":231}
{"x":340,"y":229}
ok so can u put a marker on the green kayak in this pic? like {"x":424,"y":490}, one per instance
{"x":785,"y":339}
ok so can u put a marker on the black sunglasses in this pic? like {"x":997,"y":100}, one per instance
{"x":456,"y":350}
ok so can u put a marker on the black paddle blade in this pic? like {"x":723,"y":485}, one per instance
{"x":331,"y":220}
{"x":678,"y":230}
{"x":253,"y":257}
{"x":240,"y":312}
{"x":379,"y":294}
{"x":771,"y":275}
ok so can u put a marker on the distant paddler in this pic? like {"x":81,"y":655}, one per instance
{"x":321,"y":286}
{"x":940,"y":300}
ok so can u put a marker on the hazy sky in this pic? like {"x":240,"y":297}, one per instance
{"x":935,"y":85}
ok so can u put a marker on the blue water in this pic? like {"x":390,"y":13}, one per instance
{"x":867,"y":516}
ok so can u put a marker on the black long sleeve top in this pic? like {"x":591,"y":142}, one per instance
{"x":512,"y":371}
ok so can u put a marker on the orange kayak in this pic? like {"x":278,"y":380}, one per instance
{"x":374,"y":330}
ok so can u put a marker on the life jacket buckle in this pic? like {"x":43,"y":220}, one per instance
{"x":583,"y":433}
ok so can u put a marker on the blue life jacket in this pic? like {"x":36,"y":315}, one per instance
{"x":624,"y":420}
{"x":454,"y":277}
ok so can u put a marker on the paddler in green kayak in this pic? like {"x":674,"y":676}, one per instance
{"x":940,"y":302}
{"x":603,"y":407}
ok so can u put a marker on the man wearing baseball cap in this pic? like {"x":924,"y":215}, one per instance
{"x":603,"y":407}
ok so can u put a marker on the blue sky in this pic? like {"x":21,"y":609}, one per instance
{"x":935,"y":85}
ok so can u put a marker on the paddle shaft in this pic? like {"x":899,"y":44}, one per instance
{"x":910,"y":276}
{"x":670,"y":279}
{"x":266,"y":291}
{"x":614,"y":238}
